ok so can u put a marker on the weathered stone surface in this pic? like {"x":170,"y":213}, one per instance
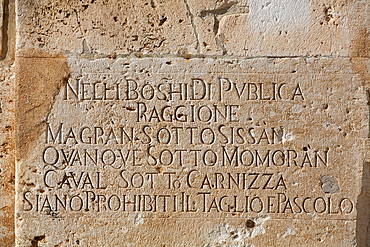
{"x":190,"y":123}
{"x":289,"y":157}
{"x":7,"y":149}
{"x":240,"y":28}
{"x":107,"y":27}
{"x":7,"y":124}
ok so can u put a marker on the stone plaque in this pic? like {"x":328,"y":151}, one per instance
{"x":197,"y":130}
{"x":156,"y":151}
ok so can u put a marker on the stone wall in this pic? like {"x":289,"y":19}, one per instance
{"x":185,"y":123}
{"x":7,"y":124}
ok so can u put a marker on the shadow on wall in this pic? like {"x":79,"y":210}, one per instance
{"x":359,"y":55}
{"x":363,"y":209}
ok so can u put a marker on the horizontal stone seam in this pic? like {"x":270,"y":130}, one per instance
{"x":139,"y":56}
{"x":192,"y":218}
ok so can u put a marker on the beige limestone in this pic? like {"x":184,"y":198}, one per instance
{"x":271,"y":167}
{"x":7,"y":172}
{"x":209,"y":27}
{"x":7,"y":124}
{"x":266,"y":145}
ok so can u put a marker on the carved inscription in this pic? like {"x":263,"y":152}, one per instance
{"x":187,"y":145}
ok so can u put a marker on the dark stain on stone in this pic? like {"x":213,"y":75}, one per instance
{"x":35,"y":241}
{"x":250,"y":224}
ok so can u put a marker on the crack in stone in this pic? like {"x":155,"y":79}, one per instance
{"x":152,"y":4}
{"x":227,"y":8}
{"x":220,"y":42}
{"x":193,"y":25}
{"x":219,"y":11}
{"x":79,"y":23}
{"x":140,"y":55}
{"x":7,"y":52}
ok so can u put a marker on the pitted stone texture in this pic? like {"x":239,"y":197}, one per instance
{"x":7,"y":124}
{"x":237,"y":28}
{"x":114,"y":144}
{"x":310,"y":116}
{"x":7,"y":155}
{"x":108,"y":27}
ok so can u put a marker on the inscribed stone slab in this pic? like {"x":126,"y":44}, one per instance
{"x":169,"y":151}
{"x":192,"y":123}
